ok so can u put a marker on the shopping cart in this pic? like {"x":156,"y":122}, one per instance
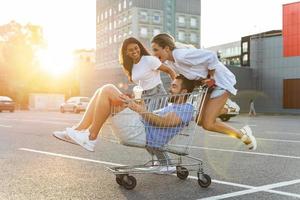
{"x":168,"y":139}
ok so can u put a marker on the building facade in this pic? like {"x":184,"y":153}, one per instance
{"x":229,"y":53}
{"x":117,"y":20}
{"x":143,"y":19}
{"x":265,"y":73}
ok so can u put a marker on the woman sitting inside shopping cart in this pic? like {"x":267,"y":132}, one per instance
{"x":152,"y":131}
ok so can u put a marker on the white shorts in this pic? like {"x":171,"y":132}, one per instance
{"x":217,"y":92}
{"x":128,"y":128}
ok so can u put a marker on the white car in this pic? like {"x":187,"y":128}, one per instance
{"x":75,"y":104}
{"x":231,"y":110}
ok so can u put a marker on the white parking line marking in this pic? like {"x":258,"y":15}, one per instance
{"x":70,"y":157}
{"x":5,"y":126}
{"x":263,"y":139}
{"x":257,"y":189}
{"x":265,"y":188}
{"x":246,"y":152}
{"x":281,"y":133}
{"x":37,"y":121}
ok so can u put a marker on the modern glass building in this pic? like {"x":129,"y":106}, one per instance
{"x":143,"y":19}
{"x":229,"y":53}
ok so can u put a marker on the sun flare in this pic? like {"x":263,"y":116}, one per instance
{"x":55,"y":63}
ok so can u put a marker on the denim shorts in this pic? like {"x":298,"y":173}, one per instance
{"x":217,"y":92}
{"x":155,"y":98}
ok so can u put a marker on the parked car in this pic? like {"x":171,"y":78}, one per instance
{"x":6,"y":103}
{"x":75,"y":104}
{"x":232,"y":110}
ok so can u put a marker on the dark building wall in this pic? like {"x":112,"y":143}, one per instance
{"x":270,"y":69}
{"x":244,"y":85}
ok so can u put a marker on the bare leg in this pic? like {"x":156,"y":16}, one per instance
{"x":107,"y":97}
{"x":86,"y":121}
{"x":211,"y":111}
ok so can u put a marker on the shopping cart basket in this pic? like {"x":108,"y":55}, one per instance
{"x":164,"y":139}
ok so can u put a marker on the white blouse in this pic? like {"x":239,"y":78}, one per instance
{"x":195,"y":63}
{"x":146,"y":72}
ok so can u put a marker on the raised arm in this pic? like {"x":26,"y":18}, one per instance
{"x":168,"y":70}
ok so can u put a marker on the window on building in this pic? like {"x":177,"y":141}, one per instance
{"x":105,"y":14}
{"x":115,"y":38}
{"x":110,"y":26}
{"x":193,"y":37}
{"x":181,"y":36}
{"x":245,"y":59}
{"x":124,"y":4}
{"x":110,"y":40}
{"x":130,"y":3}
{"x":143,"y":16}
{"x":110,"y":12}
{"x":156,"y":18}
{"x":101,"y":16}
{"x":193,"y":22}
{"x":115,"y":24}
{"x":245,"y":47}
{"x":143,"y":32}
{"x":120,"y":7}
{"x":181,"y":20}
{"x":156,"y":31}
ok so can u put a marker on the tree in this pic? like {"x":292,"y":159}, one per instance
{"x":17,"y":51}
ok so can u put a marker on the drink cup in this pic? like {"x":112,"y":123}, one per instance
{"x":137,"y":91}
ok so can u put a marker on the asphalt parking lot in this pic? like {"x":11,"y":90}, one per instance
{"x":35,"y":165}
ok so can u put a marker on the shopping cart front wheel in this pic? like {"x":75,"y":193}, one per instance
{"x":204,"y":180}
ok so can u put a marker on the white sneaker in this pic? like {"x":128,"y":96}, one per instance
{"x":247,"y":134}
{"x":82,"y":138}
{"x":62,"y":135}
{"x":167,"y":169}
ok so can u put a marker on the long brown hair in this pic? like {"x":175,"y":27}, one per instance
{"x":125,"y":60}
{"x":163,"y":40}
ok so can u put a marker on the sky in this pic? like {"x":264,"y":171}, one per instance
{"x":70,"y":24}
{"x":226,"y":21}
{"x":67,"y":24}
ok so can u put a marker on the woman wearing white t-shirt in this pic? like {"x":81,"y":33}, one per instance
{"x":143,"y":68}
{"x":199,"y":64}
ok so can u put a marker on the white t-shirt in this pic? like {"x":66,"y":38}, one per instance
{"x":195,"y":63}
{"x":146,"y":71}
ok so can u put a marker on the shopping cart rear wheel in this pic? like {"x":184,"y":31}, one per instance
{"x":182,"y":173}
{"x":119,"y":179}
{"x":128,"y":182}
{"x":204,"y":181}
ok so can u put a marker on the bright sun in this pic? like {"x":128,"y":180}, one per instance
{"x":55,"y":63}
